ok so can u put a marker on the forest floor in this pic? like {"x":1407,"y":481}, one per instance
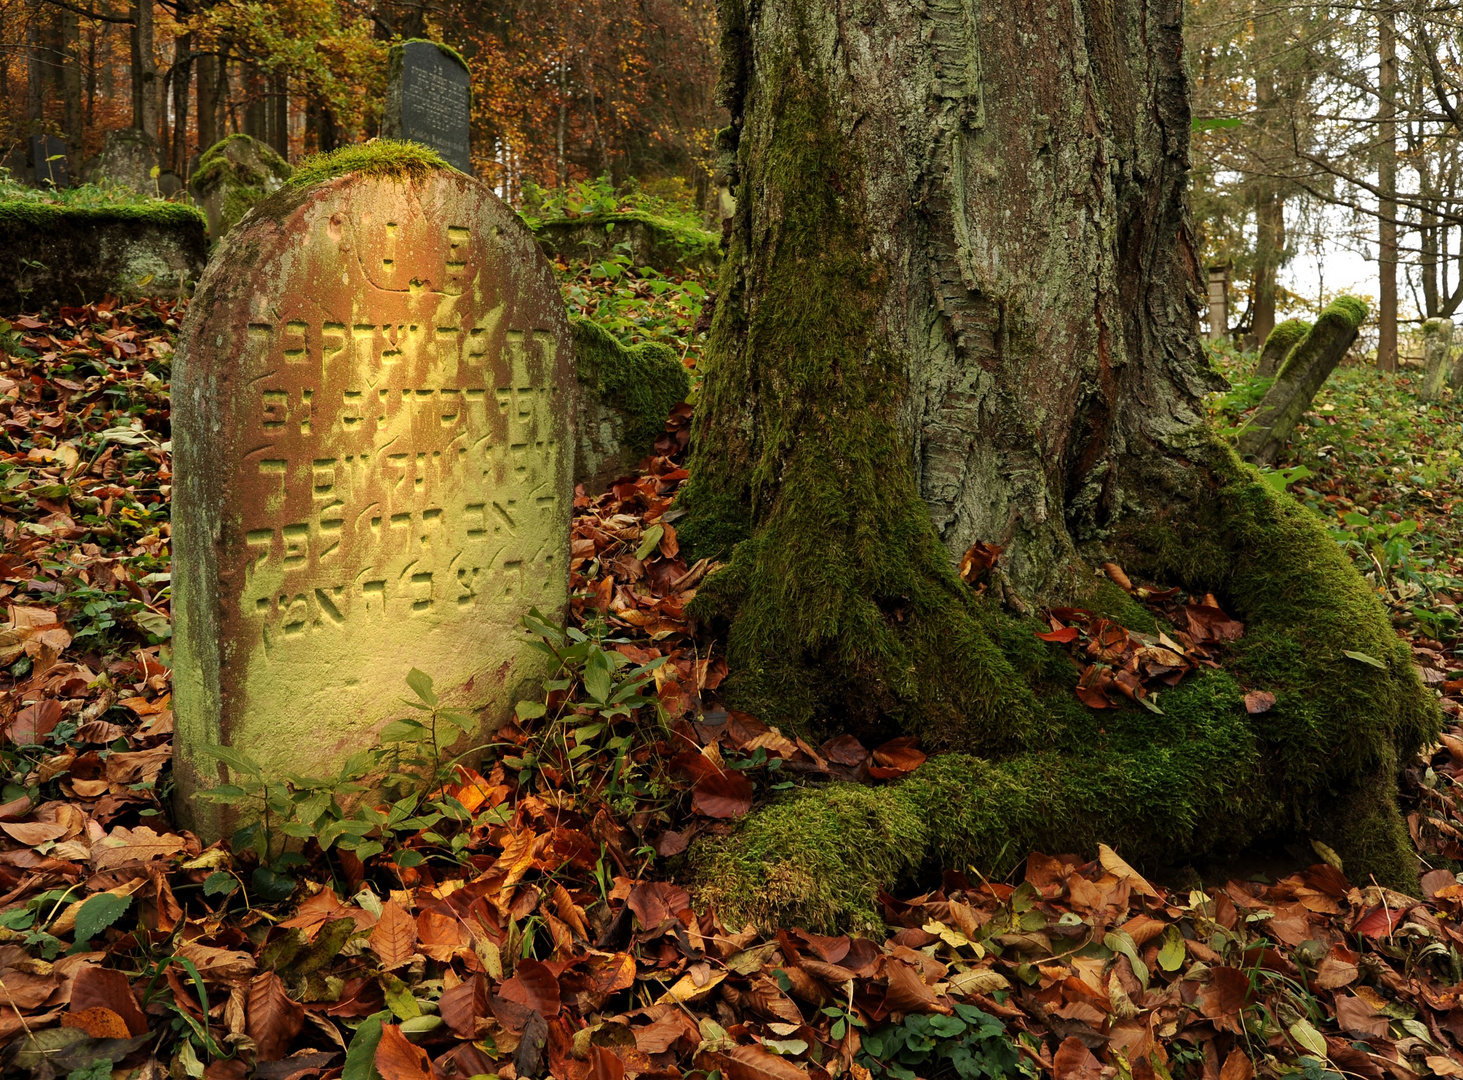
{"x":521,"y":918}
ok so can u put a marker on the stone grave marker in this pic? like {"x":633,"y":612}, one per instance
{"x":429,"y":100}
{"x":373,"y":441}
{"x":49,"y":156}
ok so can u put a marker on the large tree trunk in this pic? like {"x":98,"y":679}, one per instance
{"x":960,"y":304}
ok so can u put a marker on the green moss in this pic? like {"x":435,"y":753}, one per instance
{"x":1182,"y":781}
{"x":641,"y":382}
{"x":383,"y":158}
{"x":39,"y":215}
{"x":691,"y":244}
{"x":843,"y":606}
{"x":1111,"y":602}
{"x":1344,"y":315}
{"x":442,"y":47}
{"x":217,"y":163}
{"x":1286,"y":334}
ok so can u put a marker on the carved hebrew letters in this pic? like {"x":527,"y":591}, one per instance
{"x":376,"y":423}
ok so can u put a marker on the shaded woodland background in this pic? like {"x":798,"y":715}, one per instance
{"x":562,"y":91}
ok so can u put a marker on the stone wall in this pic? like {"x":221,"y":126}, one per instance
{"x":61,"y":255}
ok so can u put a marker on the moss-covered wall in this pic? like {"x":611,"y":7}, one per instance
{"x":626,"y":394}
{"x":653,"y":241}
{"x":63,"y":255}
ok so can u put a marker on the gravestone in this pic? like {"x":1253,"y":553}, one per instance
{"x":48,"y":155}
{"x":429,"y":100}
{"x":231,"y":176}
{"x":373,"y":442}
{"x":127,"y":159}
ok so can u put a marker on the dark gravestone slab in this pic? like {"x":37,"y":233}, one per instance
{"x":429,"y":100}
{"x":48,"y":153}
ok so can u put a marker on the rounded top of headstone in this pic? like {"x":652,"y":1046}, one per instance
{"x":394,"y":159}
{"x":414,"y":44}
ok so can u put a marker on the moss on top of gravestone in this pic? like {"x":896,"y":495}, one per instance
{"x":384,"y":158}
{"x":446,"y":50}
{"x":216,"y":161}
{"x":33,"y":214}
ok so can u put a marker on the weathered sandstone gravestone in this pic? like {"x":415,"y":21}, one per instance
{"x":429,"y":100}
{"x":373,"y":448}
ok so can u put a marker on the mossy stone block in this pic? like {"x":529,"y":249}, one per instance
{"x":74,"y":255}
{"x":653,"y":241}
{"x":626,"y":393}
{"x":373,"y":434}
{"x":232,"y":176}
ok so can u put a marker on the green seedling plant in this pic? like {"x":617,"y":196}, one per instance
{"x":380,"y":798}
{"x":592,"y":687}
{"x":970,"y":1044}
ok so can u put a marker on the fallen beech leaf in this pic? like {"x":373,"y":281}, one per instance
{"x":134,"y":845}
{"x":1334,"y":974}
{"x":534,"y":986}
{"x":1114,"y":864}
{"x":1073,"y":1061}
{"x":1257,"y":702}
{"x":34,"y":722}
{"x":98,"y":987}
{"x":1359,"y":1018}
{"x":394,"y":937}
{"x":98,"y":1021}
{"x":907,"y":992}
{"x":1062,"y":637}
{"x":273,"y":1019}
{"x":1115,"y":573}
{"x":897,"y":757}
{"x":1227,"y":993}
{"x":1237,"y":1067}
{"x":31,"y":833}
{"x":749,"y":1062}
{"x":398,"y":1059}
{"x":654,"y":902}
{"x":726,"y":794}
{"x":848,"y":751}
{"x":1380,"y":921}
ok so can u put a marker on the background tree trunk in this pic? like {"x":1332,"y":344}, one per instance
{"x":1387,"y":184}
{"x":960,"y":304}
{"x":145,"y":102}
{"x":71,"y":89}
{"x":208,"y":101}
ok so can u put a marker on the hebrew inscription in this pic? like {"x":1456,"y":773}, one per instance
{"x":371,"y":437}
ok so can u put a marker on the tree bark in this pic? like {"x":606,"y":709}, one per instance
{"x":35,"y":82}
{"x":960,"y":303}
{"x":182,"y":85}
{"x":208,"y":101}
{"x":71,"y":90}
{"x":1387,"y":185}
{"x":145,"y":101}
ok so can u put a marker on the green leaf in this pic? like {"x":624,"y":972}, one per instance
{"x":220,"y":883}
{"x":530,"y":710}
{"x":650,"y":542}
{"x":1364,"y":658}
{"x":98,"y":913}
{"x":360,"y":1056}
{"x":233,"y":759}
{"x":1119,"y":941}
{"x":1302,"y":1032}
{"x":421,"y":682}
{"x":1171,"y":956}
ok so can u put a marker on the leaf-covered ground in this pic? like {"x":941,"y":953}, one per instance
{"x":520,"y":918}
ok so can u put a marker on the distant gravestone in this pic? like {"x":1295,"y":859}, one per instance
{"x":128,"y":159}
{"x":48,"y":155}
{"x":429,"y":100}
{"x":373,"y":449}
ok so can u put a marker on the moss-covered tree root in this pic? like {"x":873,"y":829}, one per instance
{"x":1204,"y":776}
